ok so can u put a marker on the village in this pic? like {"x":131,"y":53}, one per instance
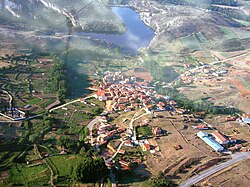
{"x":137,"y":106}
{"x":129,"y":124}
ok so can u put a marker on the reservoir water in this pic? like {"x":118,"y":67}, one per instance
{"x":138,"y":34}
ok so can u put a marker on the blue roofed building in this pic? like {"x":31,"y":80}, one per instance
{"x":209,"y":141}
{"x":246,"y":120}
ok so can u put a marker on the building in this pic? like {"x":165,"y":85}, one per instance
{"x":100,"y":94}
{"x":246,"y":120}
{"x":157,"y":131}
{"x":145,"y":147}
{"x":201,"y":127}
{"x":209,"y":141}
{"x":220,"y":138}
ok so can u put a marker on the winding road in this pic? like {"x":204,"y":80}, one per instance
{"x":237,"y":157}
{"x":90,"y":127}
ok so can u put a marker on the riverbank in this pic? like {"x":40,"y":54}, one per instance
{"x":145,"y":15}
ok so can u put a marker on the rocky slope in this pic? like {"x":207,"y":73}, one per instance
{"x":87,"y":15}
{"x":177,"y":21}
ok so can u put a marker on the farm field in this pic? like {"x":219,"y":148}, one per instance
{"x":242,"y":86}
{"x":171,"y":160}
{"x":140,"y":73}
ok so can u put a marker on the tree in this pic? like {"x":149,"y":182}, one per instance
{"x":91,"y":169}
{"x":160,"y":181}
{"x":96,"y":111}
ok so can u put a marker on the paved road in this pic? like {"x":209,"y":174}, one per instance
{"x":74,"y":101}
{"x":237,"y":157}
{"x":90,"y":127}
{"x":133,"y":120}
{"x":61,"y":106}
{"x":114,"y":155}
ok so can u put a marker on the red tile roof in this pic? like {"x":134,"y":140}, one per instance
{"x":100,"y":93}
{"x":220,"y":136}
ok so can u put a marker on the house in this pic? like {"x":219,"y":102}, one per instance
{"x":209,"y":141}
{"x":122,"y":151}
{"x":102,"y":143}
{"x":201,"y":127}
{"x":120,"y":130}
{"x":100,"y":94}
{"x":157,"y":131}
{"x":229,"y":118}
{"x":233,"y":140}
{"x":128,"y":143}
{"x":127,"y":109}
{"x":124,"y":163}
{"x":180,"y":110}
{"x":220,"y":138}
{"x":103,"y":119}
{"x":145,"y":147}
{"x":235,"y":148}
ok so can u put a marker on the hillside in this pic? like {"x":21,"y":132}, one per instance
{"x":85,"y":15}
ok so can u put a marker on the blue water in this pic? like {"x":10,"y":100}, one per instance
{"x":138,"y":34}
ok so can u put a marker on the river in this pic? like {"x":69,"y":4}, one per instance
{"x":138,"y":35}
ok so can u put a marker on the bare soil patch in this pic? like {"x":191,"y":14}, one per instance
{"x":235,"y":176}
{"x":4,"y":64}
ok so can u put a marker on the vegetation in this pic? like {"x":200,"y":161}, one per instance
{"x":202,"y":105}
{"x":29,"y":176}
{"x":165,"y":74}
{"x":144,"y":131}
{"x":58,"y":81}
{"x":91,"y":169}
{"x":160,"y":181}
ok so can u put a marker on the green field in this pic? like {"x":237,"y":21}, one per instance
{"x":228,"y":33}
{"x":29,"y":176}
{"x":65,"y":164}
{"x":192,"y":43}
{"x":144,"y":131}
{"x":246,"y":23}
{"x":241,"y":33}
{"x":201,"y":38}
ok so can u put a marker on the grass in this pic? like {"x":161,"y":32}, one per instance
{"x":46,"y":102}
{"x":246,"y":23}
{"x":144,"y":131}
{"x":34,"y":101}
{"x":241,"y":33}
{"x":228,"y":33}
{"x":65,"y":163}
{"x":29,"y":176}
{"x":191,"y":42}
{"x":201,"y":38}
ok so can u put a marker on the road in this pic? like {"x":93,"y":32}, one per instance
{"x":71,"y":102}
{"x":237,"y":157}
{"x":61,"y":106}
{"x":117,"y":151}
{"x":10,"y":96}
{"x":133,"y":120}
{"x":90,"y":127}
